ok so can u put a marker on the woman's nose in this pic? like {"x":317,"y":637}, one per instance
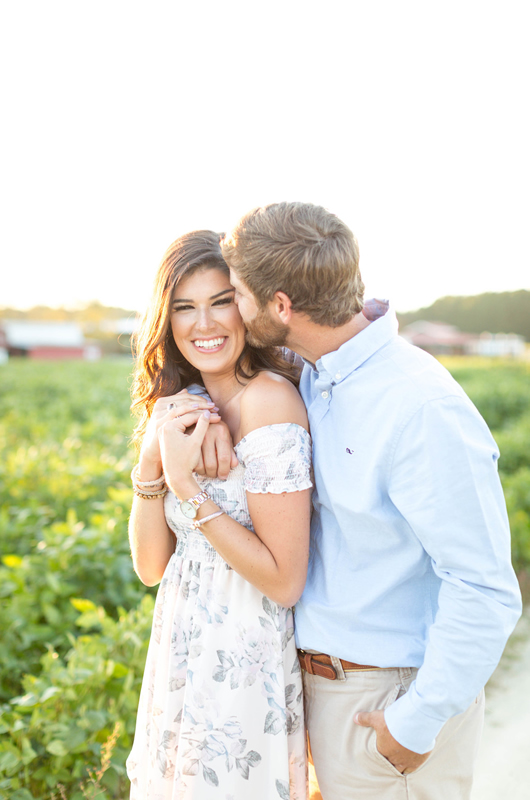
{"x":204,"y":320}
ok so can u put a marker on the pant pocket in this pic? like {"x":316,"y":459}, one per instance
{"x":380,"y":759}
{"x":398,"y":691}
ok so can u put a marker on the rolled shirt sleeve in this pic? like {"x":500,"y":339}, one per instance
{"x":444,"y":482}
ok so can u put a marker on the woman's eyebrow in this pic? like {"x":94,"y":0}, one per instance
{"x":213,"y":297}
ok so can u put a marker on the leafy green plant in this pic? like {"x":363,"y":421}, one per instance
{"x":517,"y":492}
{"x":64,"y":501}
{"x":57,"y":733}
{"x":72,"y":559}
{"x":499,"y":389}
{"x":514,"y":444}
{"x":64,"y":431}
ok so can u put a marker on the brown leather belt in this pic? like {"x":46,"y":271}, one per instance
{"x":320,"y":664}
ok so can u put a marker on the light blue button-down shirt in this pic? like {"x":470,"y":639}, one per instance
{"x":410,"y":545}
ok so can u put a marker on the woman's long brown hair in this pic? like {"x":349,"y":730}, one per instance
{"x":160,"y":368}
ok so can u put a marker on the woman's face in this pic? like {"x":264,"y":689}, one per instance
{"x":206,"y":324}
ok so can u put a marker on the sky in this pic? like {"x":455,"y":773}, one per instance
{"x":126,"y":124}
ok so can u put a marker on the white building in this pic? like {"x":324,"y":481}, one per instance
{"x":439,"y":339}
{"x":498,"y":345}
{"x":45,"y":340}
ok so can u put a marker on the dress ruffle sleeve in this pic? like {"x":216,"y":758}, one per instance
{"x":277,"y":458}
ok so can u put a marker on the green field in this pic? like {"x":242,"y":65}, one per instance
{"x":75,"y":619}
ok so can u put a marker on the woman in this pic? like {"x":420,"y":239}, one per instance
{"x":220,"y":712}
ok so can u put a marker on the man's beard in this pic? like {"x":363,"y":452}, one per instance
{"x":263,"y":331}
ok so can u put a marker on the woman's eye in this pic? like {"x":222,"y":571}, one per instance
{"x":182,"y":308}
{"x":224,"y":301}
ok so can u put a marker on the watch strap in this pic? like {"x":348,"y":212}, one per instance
{"x":198,"y":499}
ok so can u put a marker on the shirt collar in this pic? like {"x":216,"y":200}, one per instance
{"x":349,"y":357}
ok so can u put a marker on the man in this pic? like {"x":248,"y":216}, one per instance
{"x":410,"y":594}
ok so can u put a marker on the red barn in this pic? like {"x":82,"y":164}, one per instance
{"x":45,"y":340}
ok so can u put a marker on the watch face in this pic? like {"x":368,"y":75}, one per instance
{"x":188,"y":510}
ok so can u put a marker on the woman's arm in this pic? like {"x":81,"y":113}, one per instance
{"x":152,"y":542}
{"x":274,"y":559}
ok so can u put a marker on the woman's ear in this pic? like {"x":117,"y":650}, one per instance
{"x":283,"y":307}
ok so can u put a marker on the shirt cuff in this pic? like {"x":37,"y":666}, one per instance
{"x":411,"y":727}
{"x":194,"y":388}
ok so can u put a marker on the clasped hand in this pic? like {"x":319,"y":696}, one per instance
{"x":181,"y":451}
{"x":216,"y":456}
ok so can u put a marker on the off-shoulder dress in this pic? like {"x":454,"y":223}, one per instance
{"x":221,"y":710}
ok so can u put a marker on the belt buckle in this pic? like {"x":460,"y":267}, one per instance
{"x":310,"y":660}
{"x":306,"y":659}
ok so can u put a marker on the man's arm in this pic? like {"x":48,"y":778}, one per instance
{"x":444,"y":482}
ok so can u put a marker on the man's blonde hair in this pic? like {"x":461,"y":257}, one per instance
{"x":304,"y":251}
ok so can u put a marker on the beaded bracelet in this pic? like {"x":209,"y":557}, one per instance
{"x":148,"y":490}
{"x":151,"y":496}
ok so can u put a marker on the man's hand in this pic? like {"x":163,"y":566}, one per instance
{"x":217,"y":456}
{"x":403,"y":760}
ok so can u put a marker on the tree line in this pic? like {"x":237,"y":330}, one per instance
{"x":501,"y":312}
{"x":92,"y":313}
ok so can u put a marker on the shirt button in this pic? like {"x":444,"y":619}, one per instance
{"x":325,"y":394}
{"x":337,"y":376}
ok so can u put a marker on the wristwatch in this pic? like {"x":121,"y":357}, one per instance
{"x":190,"y":507}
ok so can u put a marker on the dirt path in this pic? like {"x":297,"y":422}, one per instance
{"x":503,"y":767}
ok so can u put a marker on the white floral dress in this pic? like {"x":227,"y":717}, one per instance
{"x":221,"y":710}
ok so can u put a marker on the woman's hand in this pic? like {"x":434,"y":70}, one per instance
{"x":188,"y":407}
{"x":181,"y":452}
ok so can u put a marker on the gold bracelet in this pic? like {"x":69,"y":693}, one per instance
{"x":138,"y":490}
{"x":151,"y":496}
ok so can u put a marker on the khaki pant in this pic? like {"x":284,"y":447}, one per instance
{"x":347,"y":763}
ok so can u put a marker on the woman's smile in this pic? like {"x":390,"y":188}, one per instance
{"x":210,"y":345}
